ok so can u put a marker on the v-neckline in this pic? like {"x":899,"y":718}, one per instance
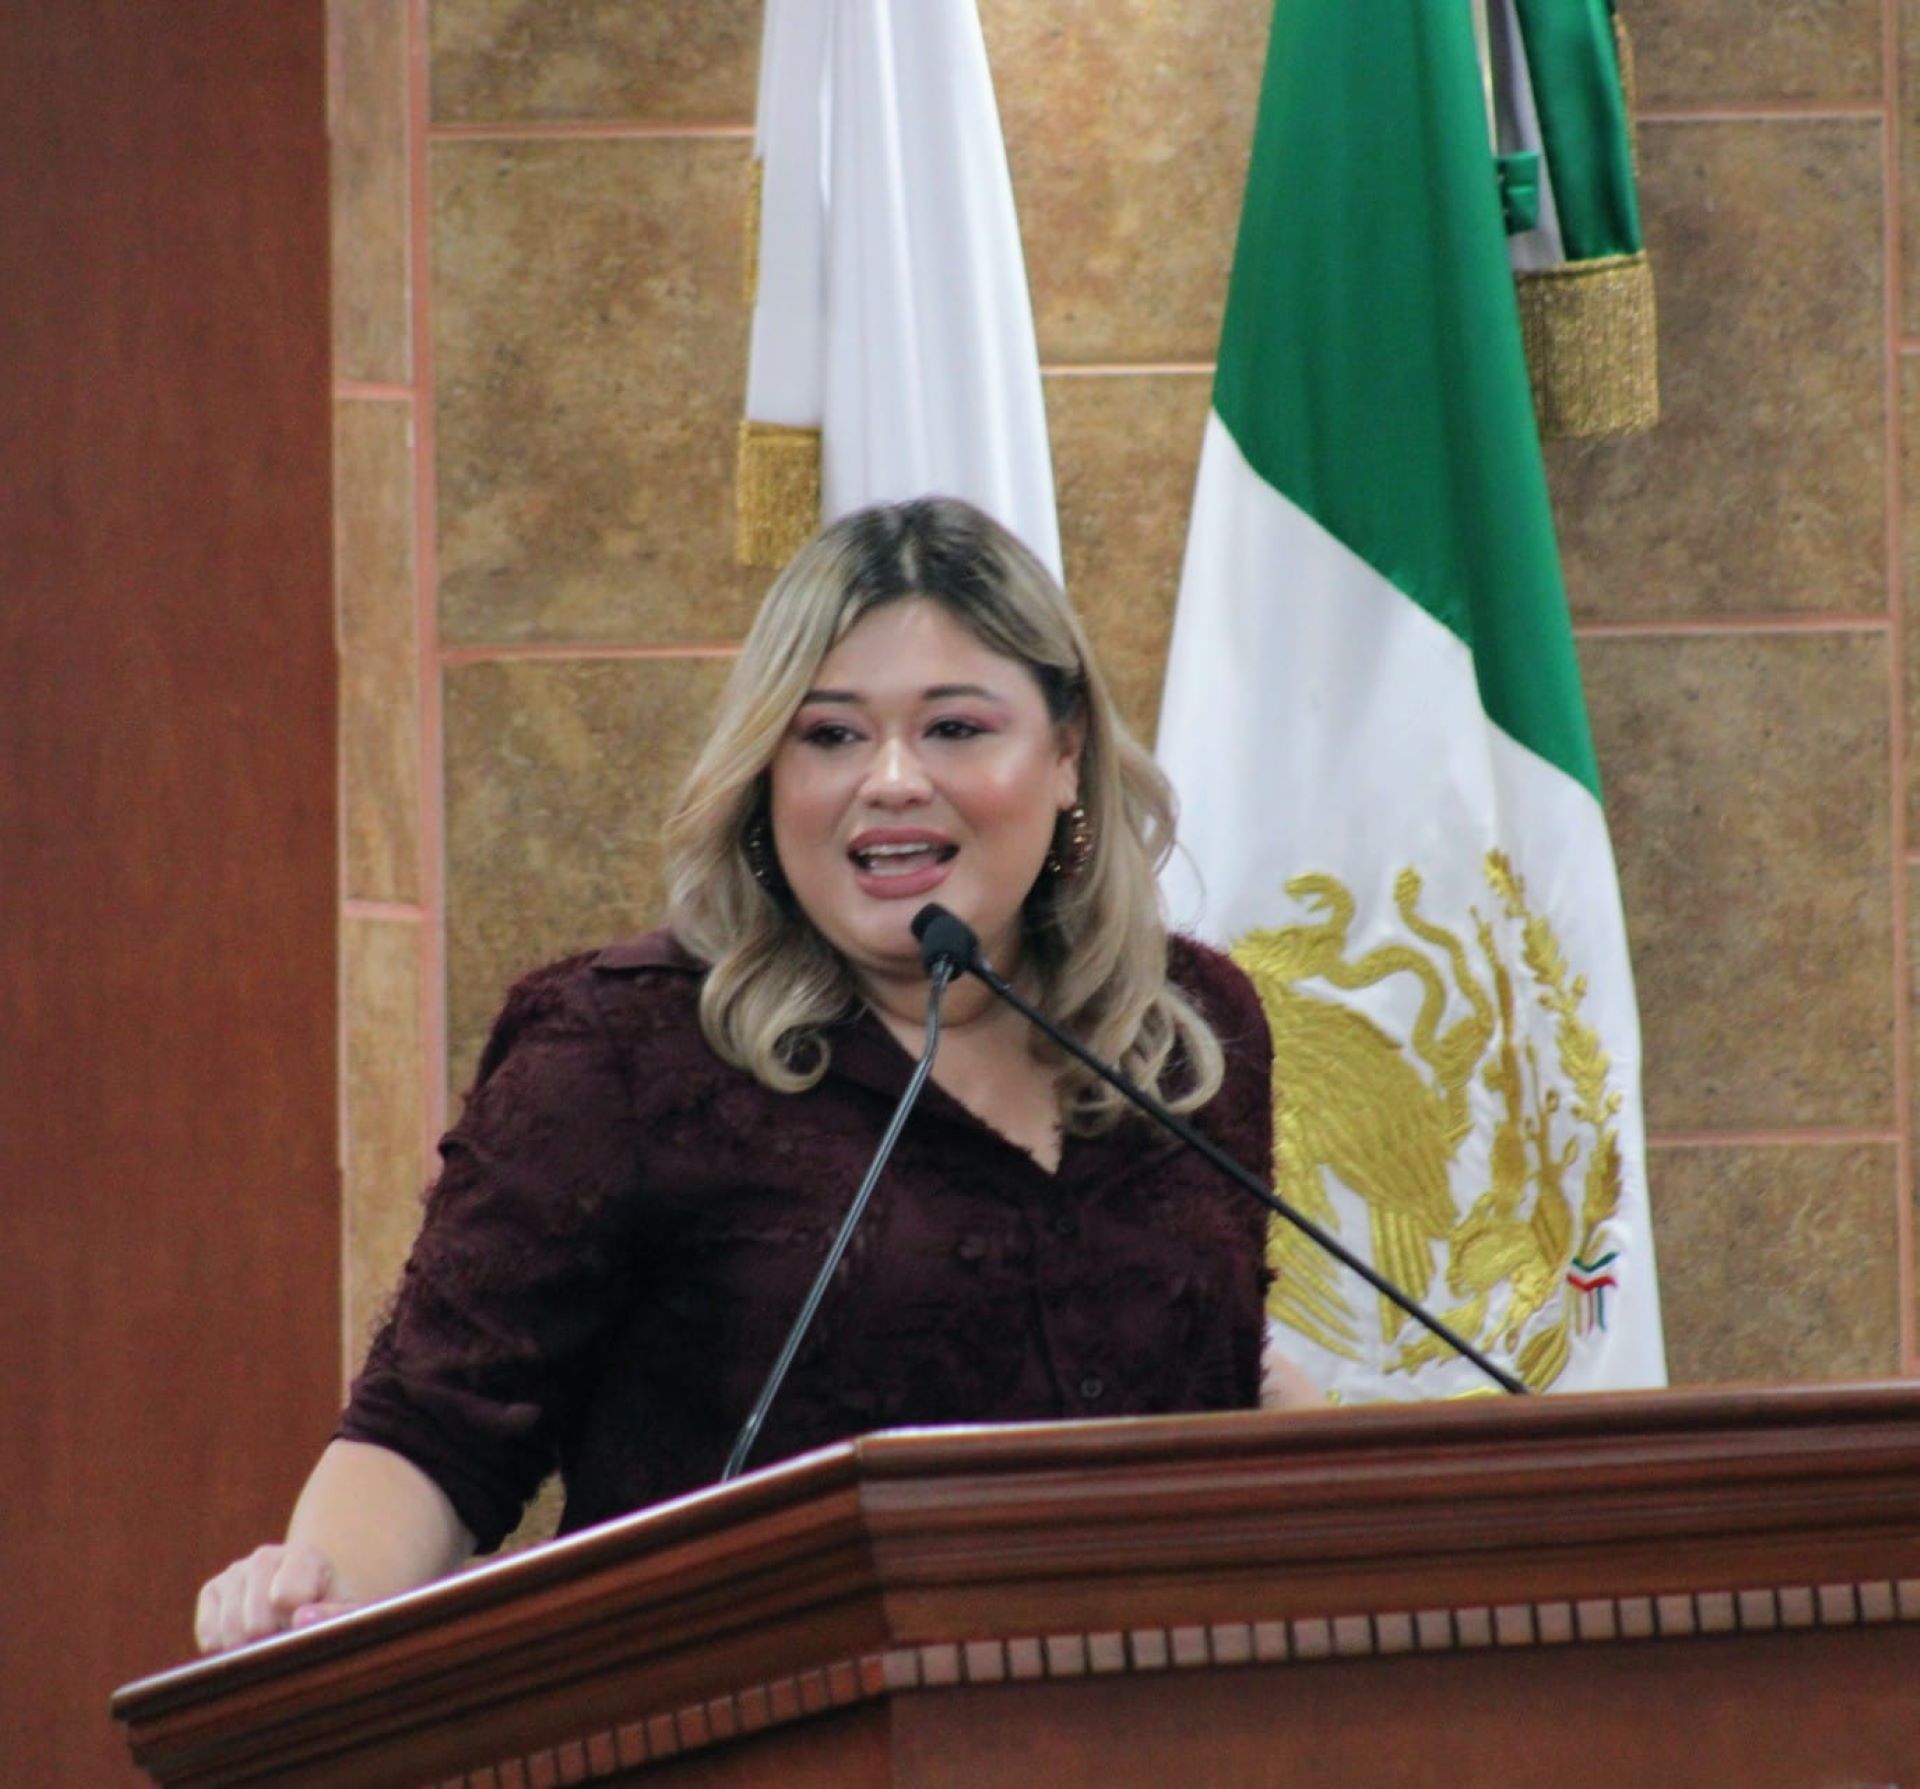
{"x":868,"y":1025}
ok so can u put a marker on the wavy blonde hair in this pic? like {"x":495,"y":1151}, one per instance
{"x":1094,"y":944}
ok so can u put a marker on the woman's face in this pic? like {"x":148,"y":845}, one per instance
{"x":922,"y":766}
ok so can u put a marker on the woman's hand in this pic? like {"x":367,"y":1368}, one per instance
{"x":1283,"y":1386}
{"x":272,"y":1589}
{"x":368,"y":1525}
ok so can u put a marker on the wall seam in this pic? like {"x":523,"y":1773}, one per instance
{"x":1126,"y":369}
{"x":534,"y":130}
{"x":572,"y":651}
{"x":1678,"y":626}
{"x":1747,"y":111}
{"x":433,"y":938}
{"x":1894,"y":302}
{"x":1801,"y":1137}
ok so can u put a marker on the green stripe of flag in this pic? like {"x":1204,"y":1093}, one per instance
{"x":1372,"y":233}
{"x":1575,"y":66}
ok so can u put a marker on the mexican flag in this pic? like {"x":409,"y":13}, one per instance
{"x":1390,"y":810}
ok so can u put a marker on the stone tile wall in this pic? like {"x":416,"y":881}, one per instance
{"x":540,"y":355}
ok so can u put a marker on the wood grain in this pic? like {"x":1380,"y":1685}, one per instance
{"x":947,"y":1562}
{"x":169,"y":1276}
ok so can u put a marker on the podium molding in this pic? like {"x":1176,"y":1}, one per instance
{"x":1720,"y":1582}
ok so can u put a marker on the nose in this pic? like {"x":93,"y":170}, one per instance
{"x":895,"y":776}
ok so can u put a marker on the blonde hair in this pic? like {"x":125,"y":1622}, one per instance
{"x":1094,"y":943}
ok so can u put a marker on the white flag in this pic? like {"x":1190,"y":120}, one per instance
{"x":893,"y":343}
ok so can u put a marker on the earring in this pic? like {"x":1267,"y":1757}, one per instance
{"x":757,"y":843}
{"x":1070,"y":854}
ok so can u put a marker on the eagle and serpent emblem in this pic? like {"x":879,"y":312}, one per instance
{"x":1515,"y":1226}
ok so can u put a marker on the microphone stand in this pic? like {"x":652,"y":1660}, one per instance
{"x":941,"y":973}
{"x":946,"y":939}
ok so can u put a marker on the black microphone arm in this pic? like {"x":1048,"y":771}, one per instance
{"x":941,"y":973}
{"x":946,"y":939}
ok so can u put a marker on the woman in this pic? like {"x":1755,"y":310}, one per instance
{"x":662,"y":1137}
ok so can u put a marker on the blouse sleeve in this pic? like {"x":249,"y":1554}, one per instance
{"x":1240,"y":1116}
{"x":488,"y":1346}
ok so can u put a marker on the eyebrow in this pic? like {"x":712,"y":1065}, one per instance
{"x":939,"y":692}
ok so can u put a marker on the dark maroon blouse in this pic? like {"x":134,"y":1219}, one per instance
{"x":625,"y":1226}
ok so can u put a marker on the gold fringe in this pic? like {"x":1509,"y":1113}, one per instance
{"x":1591,"y":346}
{"x":750,"y":228}
{"x":776,"y":492}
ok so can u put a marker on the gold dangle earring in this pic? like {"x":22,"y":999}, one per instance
{"x":762,"y":859}
{"x":1072,"y":843}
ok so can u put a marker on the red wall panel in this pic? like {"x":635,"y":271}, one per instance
{"x":169,"y":1212}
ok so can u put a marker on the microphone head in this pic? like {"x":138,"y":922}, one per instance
{"x":944,"y":938}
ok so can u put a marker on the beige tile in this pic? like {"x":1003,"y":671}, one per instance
{"x":1777,"y":1264}
{"x":559,"y":774}
{"x":591,"y":343}
{"x":1746,"y":783}
{"x":367,"y":106}
{"x":379,"y":655}
{"x":1125,"y":450}
{"x":1128,"y":124}
{"x":1761,"y":489}
{"x":1909,"y":128}
{"x":1910,"y":579}
{"x":542,"y":1519}
{"x":1705,"y":52}
{"x":385,"y":1090}
{"x":510,"y":60}
{"x":1913,"y":1090}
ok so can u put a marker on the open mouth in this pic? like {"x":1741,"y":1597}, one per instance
{"x":904,"y":859}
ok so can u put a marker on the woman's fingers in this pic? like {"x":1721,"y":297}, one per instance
{"x":257,"y":1615}
{"x":309,"y":1613}
{"x":217,"y":1613}
{"x":262,"y":1594}
{"x":206,"y":1615}
{"x":220,"y":1618}
{"x":305,"y":1575}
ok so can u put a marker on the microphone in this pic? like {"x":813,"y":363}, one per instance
{"x":941,"y":973}
{"x":946,"y":939}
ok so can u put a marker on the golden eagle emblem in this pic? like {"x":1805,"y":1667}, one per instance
{"x":1461,"y":1097}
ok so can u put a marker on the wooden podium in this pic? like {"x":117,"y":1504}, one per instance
{"x":1671,"y":1588}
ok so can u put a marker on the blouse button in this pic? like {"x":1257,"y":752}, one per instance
{"x":972,"y":1247}
{"x":1064,"y":1224}
{"x":1092,"y":1388}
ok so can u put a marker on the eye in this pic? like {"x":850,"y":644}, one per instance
{"x":827,"y":734}
{"x":955,"y":728}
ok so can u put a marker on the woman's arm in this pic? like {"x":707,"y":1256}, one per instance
{"x":369,"y":1524}
{"x":1283,"y":1386}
